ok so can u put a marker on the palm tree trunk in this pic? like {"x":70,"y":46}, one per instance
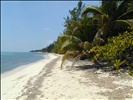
{"x":99,"y":37}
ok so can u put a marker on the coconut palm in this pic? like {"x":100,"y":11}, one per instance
{"x":85,"y":29}
{"x":113,"y":18}
{"x":74,"y":47}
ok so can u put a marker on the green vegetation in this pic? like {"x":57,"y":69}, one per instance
{"x":117,"y":65}
{"x":117,"y":51}
{"x":48,"y":48}
{"x":100,"y":33}
{"x":112,"y":17}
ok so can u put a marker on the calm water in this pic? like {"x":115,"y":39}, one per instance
{"x":11,"y":60}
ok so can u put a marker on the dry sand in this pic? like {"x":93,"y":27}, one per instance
{"x":44,"y":80}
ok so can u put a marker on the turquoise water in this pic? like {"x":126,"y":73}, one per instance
{"x":11,"y":60}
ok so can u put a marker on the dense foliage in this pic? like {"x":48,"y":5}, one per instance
{"x":118,"y":51}
{"x":112,"y":17}
{"x":102,"y":32}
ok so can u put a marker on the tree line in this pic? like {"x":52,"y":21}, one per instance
{"x":99,"y":33}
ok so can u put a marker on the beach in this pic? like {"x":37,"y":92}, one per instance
{"x":45,"y":80}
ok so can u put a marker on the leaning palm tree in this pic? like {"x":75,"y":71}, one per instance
{"x":113,"y":17}
{"x":74,"y":47}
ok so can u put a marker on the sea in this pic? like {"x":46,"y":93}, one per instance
{"x":12,"y":60}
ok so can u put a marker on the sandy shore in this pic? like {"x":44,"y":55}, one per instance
{"x":44,"y":80}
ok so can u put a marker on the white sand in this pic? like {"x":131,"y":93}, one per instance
{"x":44,"y":80}
{"x":11,"y":86}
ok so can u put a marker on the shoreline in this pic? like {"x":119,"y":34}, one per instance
{"x":18,"y":69}
{"x":21,"y":67}
{"x":18,"y":79}
{"x":44,"y":80}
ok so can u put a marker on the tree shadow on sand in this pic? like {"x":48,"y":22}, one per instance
{"x":86,"y":65}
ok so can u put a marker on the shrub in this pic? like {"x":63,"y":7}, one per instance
{"x":118,"y":48}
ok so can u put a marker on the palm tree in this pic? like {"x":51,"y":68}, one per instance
{"x":113,"y":18}
{"x":74,"y":47}
{"x":85,"y":29}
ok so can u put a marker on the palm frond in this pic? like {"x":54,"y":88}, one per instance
{"x":122,"y":25}
{"x":67,"y":54}
{"x":92,"y":9}
{"x":127,"y":15}
{"x":109,"y":7}
{"x":120,"y":9}
{"x":130,"y":21}
{"x":74,"y":39}
{"x":78,"y":56}
{"x":74,"y":60}
{"x":69,"y":45}
{"x":123,"y":22}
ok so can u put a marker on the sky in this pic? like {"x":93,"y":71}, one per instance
{"x":33,"y":25}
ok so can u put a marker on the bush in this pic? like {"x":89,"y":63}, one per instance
{"x":117,"y":48}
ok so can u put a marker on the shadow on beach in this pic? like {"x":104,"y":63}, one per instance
{"x":103,"y":66}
